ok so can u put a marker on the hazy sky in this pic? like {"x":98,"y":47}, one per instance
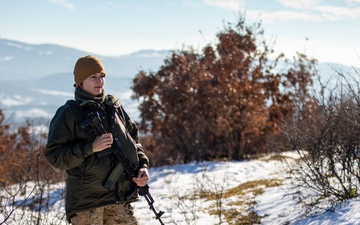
{"x":328,"y":30}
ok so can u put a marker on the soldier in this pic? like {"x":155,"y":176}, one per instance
{"x":88,"y":157}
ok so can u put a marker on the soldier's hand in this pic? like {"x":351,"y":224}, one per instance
{"x":142,"y":178}
{"x":102,"y":142}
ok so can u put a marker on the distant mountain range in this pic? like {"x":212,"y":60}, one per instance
{"x":20,"y":60}
{"x":37,"y":79}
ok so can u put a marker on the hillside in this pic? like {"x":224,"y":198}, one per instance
{"x":182,"y":192}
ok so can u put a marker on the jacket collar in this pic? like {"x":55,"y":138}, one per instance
{"x":85,"y":98}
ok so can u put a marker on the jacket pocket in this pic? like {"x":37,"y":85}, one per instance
{"x":126,"y":189}
{"x":88,"y":164}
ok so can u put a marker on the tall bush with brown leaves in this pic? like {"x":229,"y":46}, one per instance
{"x":223,"y":102}
{"x":25,"y":175}
{"x":21,"y":156}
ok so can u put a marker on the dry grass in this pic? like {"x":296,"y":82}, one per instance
{"x":234,"y":205}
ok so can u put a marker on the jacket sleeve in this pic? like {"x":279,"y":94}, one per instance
{"x":65,"y":148}
{"x":134,"y":133}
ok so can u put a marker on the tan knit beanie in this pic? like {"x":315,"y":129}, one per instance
{"x":86,"y":66}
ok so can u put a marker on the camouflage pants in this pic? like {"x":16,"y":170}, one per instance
{"x":119,"y":214}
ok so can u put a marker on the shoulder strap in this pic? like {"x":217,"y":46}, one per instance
{"x":78,"y":110}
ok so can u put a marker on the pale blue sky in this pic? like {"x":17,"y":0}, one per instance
{"x":326,"y":29}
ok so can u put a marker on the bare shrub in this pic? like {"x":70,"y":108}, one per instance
{"x":328,"y":142}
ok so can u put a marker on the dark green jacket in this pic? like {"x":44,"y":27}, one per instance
{"x":69,"y":147}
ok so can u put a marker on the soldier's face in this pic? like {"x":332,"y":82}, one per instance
{"x":94,"y":84}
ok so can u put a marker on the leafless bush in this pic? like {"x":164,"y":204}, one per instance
{"x":327,"y":140}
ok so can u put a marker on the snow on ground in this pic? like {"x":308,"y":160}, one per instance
{"x":181,"y":180}
{"x":277,"y":205}
{"x":176,"y":191}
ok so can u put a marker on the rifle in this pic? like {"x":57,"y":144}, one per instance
{"x":130,"y":168}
